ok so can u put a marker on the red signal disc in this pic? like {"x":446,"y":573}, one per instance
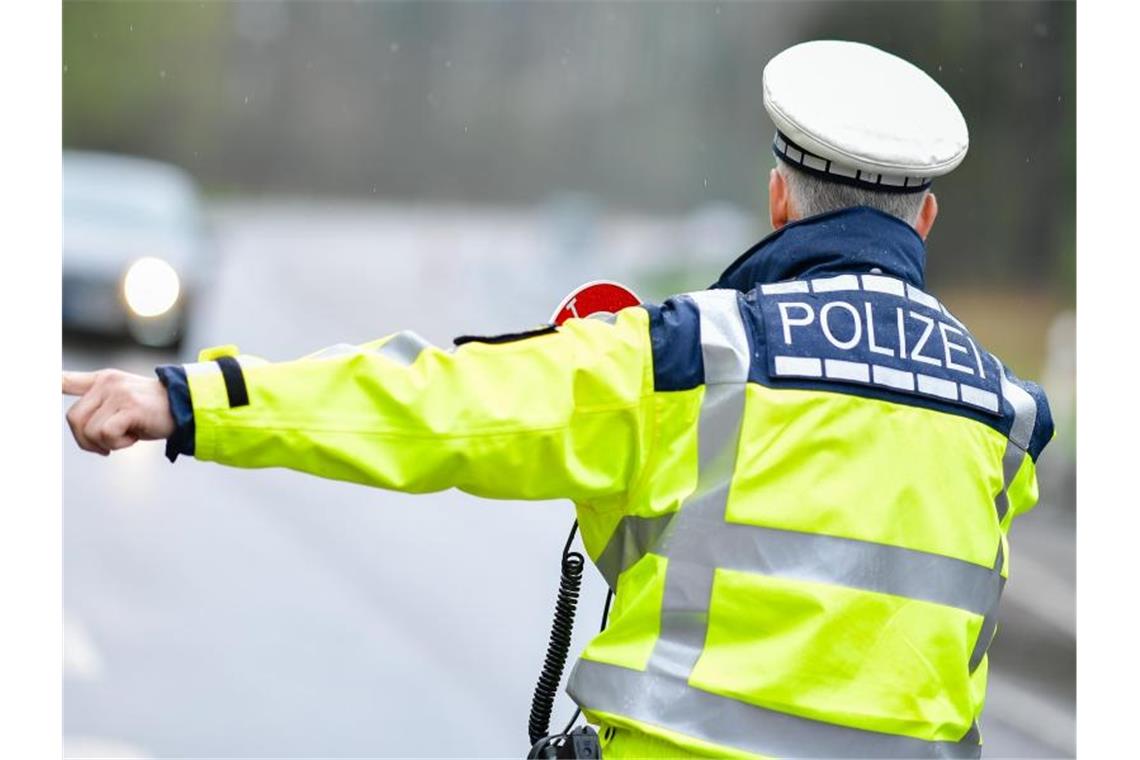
{"x":600,"y":296}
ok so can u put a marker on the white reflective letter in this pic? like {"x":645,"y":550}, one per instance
{"x":789,"y":323}
{"x":902,"y":333}
{"x":916,"y":352}
{"x":848,"y":344}
{"x":871,"y":333}
{"x":947,"y":346}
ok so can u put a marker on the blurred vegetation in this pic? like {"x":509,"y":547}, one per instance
{"x":1011,"y":67}
{"x":651,"y":106}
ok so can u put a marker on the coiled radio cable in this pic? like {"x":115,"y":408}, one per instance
{"x":561,"y":632}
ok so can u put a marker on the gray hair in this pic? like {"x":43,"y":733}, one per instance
{"x":811,"y":195}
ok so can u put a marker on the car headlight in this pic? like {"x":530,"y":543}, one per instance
{"x":151,"y":287}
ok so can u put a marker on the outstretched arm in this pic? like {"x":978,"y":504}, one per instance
{"x":562,"y":414}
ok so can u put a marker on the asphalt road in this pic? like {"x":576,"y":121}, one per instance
{"x":219,"y":613}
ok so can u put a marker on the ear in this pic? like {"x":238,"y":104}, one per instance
{"x":778,"y":211}
{"x":926,"y":216}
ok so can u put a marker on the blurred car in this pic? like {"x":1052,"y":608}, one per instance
{"x":134,"y":247}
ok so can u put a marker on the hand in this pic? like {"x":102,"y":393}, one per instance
{"x":116,"y":409}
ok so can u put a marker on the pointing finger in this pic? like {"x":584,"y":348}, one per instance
{"x":77,"y":383}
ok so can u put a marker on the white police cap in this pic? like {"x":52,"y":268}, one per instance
{"x":854,"y":114}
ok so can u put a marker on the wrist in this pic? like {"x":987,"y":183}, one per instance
{"x":181,"y":440}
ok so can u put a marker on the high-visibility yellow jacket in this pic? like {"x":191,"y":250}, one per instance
{"x":799,"y":483}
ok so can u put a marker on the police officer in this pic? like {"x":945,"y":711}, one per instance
{"x":799,"y":482}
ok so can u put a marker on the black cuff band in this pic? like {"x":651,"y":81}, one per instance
{"x":235,"y":381}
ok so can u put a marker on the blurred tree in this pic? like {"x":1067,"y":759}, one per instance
{"x":143,"y":77}
{"x":654,"y":106}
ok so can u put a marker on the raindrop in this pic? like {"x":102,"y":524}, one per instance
{"x":940,"y":67}
{"x":65,"y":71}
{"x":246,"y":99}
{"x":447,"y":64}
{"x":394,"y":47}
{"x":464,"y":129}
{"x":1020,"y":65}
{"x":131,"y":28}
{"x":718,"y":10}
{"x":162,"y":73}
{"x":706,"y":181}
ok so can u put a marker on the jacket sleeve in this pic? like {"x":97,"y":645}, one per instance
{"x":1030,"y":442}
{"x":565,"y":413}
{"x":1022,"y":490}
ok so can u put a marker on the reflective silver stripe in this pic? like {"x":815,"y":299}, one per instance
{"x":664,"y":701}
{"x":1024,"y":419}
{"x":778,"y":288}
{"x":985,"y":638}
{"x":684,"y":619}
{"x":880,"y":284}
{"x":922,"y":297}
{"x":892,"y":378}
{"x":848,"y":562}
{"x":802,"y":366}
{"x":1024,"y":410}
{"x":989,"y":622}
{"x":813,"y":557}
{"x":724,"y":344}
{"x":831,"y":284}
{"x":688,"y":585}
{"x":1010,"y":464}
{"x":201,"y":368}
{"x":980,"y":397}
{"x":633,"y":537}
{"x":404,"y":348}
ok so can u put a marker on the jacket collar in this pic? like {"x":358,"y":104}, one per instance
{"x":857,"y":239}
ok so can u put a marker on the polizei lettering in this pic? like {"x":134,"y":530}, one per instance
{"x":885,"y":333}
{"x":847,"y":328}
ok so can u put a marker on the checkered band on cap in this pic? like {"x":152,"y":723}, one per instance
{"x":834,"y":172}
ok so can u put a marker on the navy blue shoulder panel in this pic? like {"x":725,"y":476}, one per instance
{"x":867,"y":335}
{"x":675,"y":334}
{"x":1043,"y":416}
{"x":878,"y":337}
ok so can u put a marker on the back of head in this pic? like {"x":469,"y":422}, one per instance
{"x":857,"y":126}
{"x":812,"y":194}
